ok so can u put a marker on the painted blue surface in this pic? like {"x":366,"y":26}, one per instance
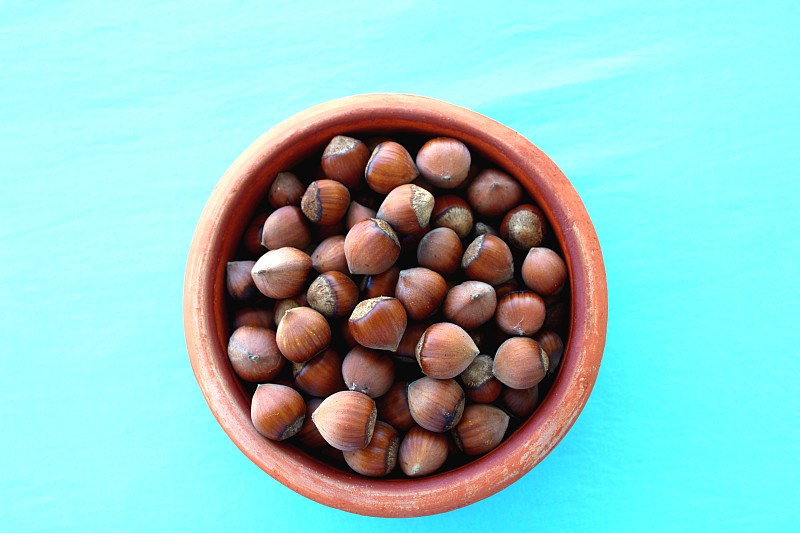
{"x":678,"y":124}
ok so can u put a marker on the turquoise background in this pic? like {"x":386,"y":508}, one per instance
{"x":678,"y":124}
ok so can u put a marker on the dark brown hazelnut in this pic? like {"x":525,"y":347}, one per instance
{"x":379,"y":458}
{"x":520,"y":363}
{"x":254,"y":354}
{"x":325,"y":202}
{"x":440,"y":250}
{"x":382,"y":284}
{"x":408,"y":344}
{"x":356,"y":213}
{"x":379,"y":323}
{"x":436,"y":404}
{"x":444,"y":162}
{"x":544,"y":271}
{"x":346,"y":420}
{"x":286,"y":189}
{"x":371,"y":247}
{"x":253,"y":316}
{"x":480,"y":385}
{"x":493,"y":192}
{"x":452,"y":212}
{"x":422,"y":452}
{"x":239,"y":281}
{"x":470,"y":304}
{"x":333,"y":294}
{"x":407,"y":208}
{"x":321,"y":375}
{"x":281,"y":306}
{"x":345,"y":160}
{"x":552,"y":345}
{"x":421,"y":291}
{"x":286,"y":226}
{"x":389,"y":166}
{"x":488,"y":259}
{"x":520,"y":402}
{"x":277,"y":411}
{"x":251,"y":240}
{"x":524,"y":227}
{"x":481,"y":429}
{"x":309,"y":436}
{"x":281,"y":273}
{"x":520,"y":313}
{"x":393,"y":406}
{"x":329,"y":255}
{"x":368,"y":371}
{"x":302,"y":333}
{"x":445,"y":350}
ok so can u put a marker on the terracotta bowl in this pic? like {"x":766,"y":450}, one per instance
{"x":207,"y":328}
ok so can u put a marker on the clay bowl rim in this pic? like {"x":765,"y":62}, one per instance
{"x":229,"y":209}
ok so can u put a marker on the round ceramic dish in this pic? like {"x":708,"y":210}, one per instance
{"x":207,"y":327}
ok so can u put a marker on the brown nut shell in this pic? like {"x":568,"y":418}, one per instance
{"x":481,"y":429}
{"x":422,"y":452}
{"x":379,"y":458}
{"x":452,"y":212}
{"x":407,"y":208}
{"x":553,"y":346}
{"x":488,"y":258}
{"x":524,"y":227}
{"x":329,"y":255}
{"x":421,"y":291}
{"x":321,"y":375}
{"x":520,"y":363}
{"x":253,"y":316}
{"x":440,"y":250}
{"x":254,"y":354}
{"x":281,"y":306}
{"x":408,"y":344}
{"x":436,"y":404}
{"x":368,"y":371}
{"x":520,"y":313}
{"x":239,"y":281}
{"x":379,"y":323}
{"x":251,"y":240}
{"x":286,"y":189}
{"x":470,"y":304}
{"x":309,"y":436}
{"x":445,"y":350}
{"x":356,"y":213}
{"x":544,"y":271}
{"x":346,"y":420}
{"x":325,"y":202}
{"x":345,"y":160}
{"x":444,"y":162}
{"x":393,"y":406}
{"x":389,"y":166}
{"x":382,"y":284}
{"x":281,"y":273}
{"x":480,"y":385}
{"x":371,"y":247}
{"x":333,"y":294}
{"x":302,"y":334}
{"x":277,"y":411}
{"x":520,"y":402}
{"x":286,"y":226}
{"x":493,"y":192}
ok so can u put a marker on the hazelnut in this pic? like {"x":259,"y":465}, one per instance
{"x":393,"y":406}
{"x":281,"y":273}
{"x":470,"y":304}
{"x":488,"y":259}
{"x":408,"y":344}
{"x":344,"y":160}
{"x":251,"y":240}
{"x":482,"y":229}
{"x":493,"y":192}
{"x":557,"y":313}
{"x":281,"y":306}
{"x":329,"y":255}
{"x":421,"y":291}
{"x":389,"y":166}
{"x":347,"y":335}
{"x":505,"y":288}
{"x":436,"y":404}
{"x":286,"y":227}
{"x":368,"y":371}
{"x":333,"y":294}
{"x":524,"y":227}
{"x":308,"y":436}
{"x":379,"y":323}
{"x":481,"y":429}
{"x":452,"y":212}
{"x":254,"y":354}
{"x":252,"y":316}
{"x":422,"y":452}
{"x":382,"y":284}
{"x":356,"y":213}
{"x":380,"y":457}
{"x":286,"y":189}
{"x":277,"y":411}
{"x":240,"y":282}
{"x":444,"y":162}
{"x":325,"y":202}
{"x":321,"y":375}
{"x":520,"y":363}
{"x":544,"y":271}
{"x":445,"y":350}
{"x":480,"y":385}
{"x":520,"y":313}
{"x":302,"y":333}
{"x":552,"y":345}
{"x":322,"y":232}
{"x":440,"y":250}
{"x":407,"y":208}
{"x":520,"y":402}
{"x":346,"y":420}
{"x":371,"y":247}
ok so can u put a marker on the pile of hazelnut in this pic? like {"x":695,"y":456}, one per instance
{"x":386,"y":316}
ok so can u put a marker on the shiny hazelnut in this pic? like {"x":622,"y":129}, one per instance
{"x":520,"y":363}
{"x":407,"y":208}
{"x":393,"y":406}
{"x":544,"y":271}
{"x":480,"y":385}
{"x":481,"y":429}
{"x":328,"y":230}
{"x":493,"y":193}
{"x":440,"y":250}
{"x":422,"y":452}
{"x":408,"y":344}
{"x":277,"y":411}
{"x":325,"y":202}
{"x":505,"y":288}
{"x":520,"y":313}
{"x":239,"y":281}
{"x":389,"y":166}
{"x":368,"y":371}
{"x":321,"y":375}
{"x":470,"y":304}
{"x":253,"y":316}
{"x":251,"y":240}
{"x":410,"y":242}
{"x":346,"y":420}
{"x":379,"y":323}
{"x":281,"y":306}
{"x":444,"y":162}
{"x":286,"y":189}
{"x":520,"y":402}
{"x":344,"y":160}
{"x":382,"y":284}
{"x":379,"y":457}
{"x":302,"y":333}
{"x":436,"y":404}
{"x":445,"y":350}
{"x":452,"y":212}
{"x":421,"y":291}
{"x":329,"y":255}
{"x":524,"y":227}
{"x":356,"y":213}
{"x":281,"y":273}
{"x":488,"y":259}
{"x":286,"y":226}
{"x":371,"y":247}
{"x":254,"y":354}
{"x":552,"y":345}
{"x":333,"y":294}
{"x":309,"y":436}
